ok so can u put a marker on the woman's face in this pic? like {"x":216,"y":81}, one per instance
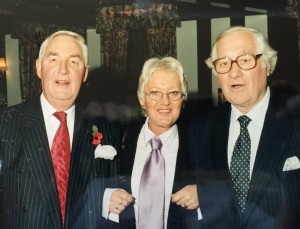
{"x":164,"y":112}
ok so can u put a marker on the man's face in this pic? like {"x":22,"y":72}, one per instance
{"x":62,"y":71}
{"x":242,"y":88}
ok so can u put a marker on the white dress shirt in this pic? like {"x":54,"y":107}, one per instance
{"x":169,"y":150}
{"x":52,"y":123}
{"x":257,"y":116}
{"x":170,"y":143}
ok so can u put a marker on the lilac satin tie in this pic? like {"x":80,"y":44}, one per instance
{"x":152,"y":189}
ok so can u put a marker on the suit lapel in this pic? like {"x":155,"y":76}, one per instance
{"x":178,"y":216}
{"x":129,"y":145}
{"x":273,"y":140}
{"x":219,"y":152}
{"x":220,"y":142}
{"x":36,"y":148}
{"x":82,"y":158}
{"x":183,"y":175}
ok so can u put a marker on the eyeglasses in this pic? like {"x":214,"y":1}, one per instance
{"x":245,"y":62}
{"x":157,"y":95}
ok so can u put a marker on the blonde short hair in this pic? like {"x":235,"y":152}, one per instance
{"x":154,"y":64}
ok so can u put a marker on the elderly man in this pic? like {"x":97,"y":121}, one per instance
{"x":50,"y":178}
{"x":246,"y":151}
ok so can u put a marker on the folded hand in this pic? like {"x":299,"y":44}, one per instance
{"x":186,"y":197}
{"x":119,"y":200}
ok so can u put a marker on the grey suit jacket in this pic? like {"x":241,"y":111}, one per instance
{"x":29,"y":194}
{"x":273,"y":192}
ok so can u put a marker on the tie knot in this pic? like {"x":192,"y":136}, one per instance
{"x":155,"y":143}
{"x":244,"y":120}
{"x":61,"y":116}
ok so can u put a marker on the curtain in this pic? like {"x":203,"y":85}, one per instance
{"x":293,"y":10}
{"x":113,"y":23}
{"x":160,"y":21}
{"x":114,"y":49}
{"x":31,"y":35}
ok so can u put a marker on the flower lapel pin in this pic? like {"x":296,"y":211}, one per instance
{"x":106,"y":151}
{"x":97,"y":136}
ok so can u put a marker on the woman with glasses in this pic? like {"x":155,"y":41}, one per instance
{"x":156,"y":189}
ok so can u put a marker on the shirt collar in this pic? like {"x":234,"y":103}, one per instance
{"x":257,"y":113}
{"x":165,"y":138}
{"x":49,"y":110}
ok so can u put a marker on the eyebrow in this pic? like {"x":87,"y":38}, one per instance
{"x":71,"y":56}
{"x":52,"y":54}
{"x":175,"y":88}
{"x":241,"y":54}
{"x":76,"y":56}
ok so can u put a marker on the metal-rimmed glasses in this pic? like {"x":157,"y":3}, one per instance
{"x":245,"y":62}
{"x":157,"y":95}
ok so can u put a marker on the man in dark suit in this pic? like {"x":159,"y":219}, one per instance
{"x":161,"y":92}
{"x":247,"y":150}
{"x":31,"y":173}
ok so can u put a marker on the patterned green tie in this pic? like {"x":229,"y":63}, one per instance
{"x":240,"y":163}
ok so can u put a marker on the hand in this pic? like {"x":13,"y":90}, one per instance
{"x":119,"y":200}
{"x":186,"y":197}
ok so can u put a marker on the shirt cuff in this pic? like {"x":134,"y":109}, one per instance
{"x":105,"y":206}
{"x":199,"y":214}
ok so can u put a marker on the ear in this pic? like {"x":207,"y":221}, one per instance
{"x":142,"y":102}
{"x":38,"y":66}
{"x":85,"y":74}
{"x":268,"y":70}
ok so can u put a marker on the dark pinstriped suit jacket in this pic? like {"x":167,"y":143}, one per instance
{"x":273,"y":195}
{"x":29,"y":193}
{"x":178,"y":217}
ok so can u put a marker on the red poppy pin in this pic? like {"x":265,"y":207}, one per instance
{"x":97,"y":136}
{"x":105,"y":152}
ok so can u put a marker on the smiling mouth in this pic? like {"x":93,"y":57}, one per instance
{"x":164,"y":111}
{"x":62,"y":82}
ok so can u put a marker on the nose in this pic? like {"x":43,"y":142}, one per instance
{"x":165,"y":99}
{"x":235,"y":71}
{"x":63,"y":67}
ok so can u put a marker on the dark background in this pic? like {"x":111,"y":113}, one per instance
{"x":283,"y":33}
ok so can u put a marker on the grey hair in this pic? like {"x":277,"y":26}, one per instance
{"x":154,"y":64}
{"x":76,"y":36}
{"x":269,"y":55}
